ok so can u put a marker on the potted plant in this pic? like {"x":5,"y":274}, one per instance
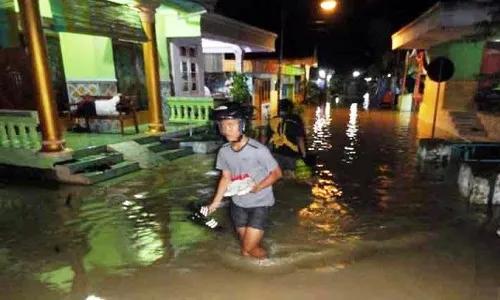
{"x":239,"y":89}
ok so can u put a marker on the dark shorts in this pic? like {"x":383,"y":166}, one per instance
{"x":255,"y":217}
{"x":286,"y":162}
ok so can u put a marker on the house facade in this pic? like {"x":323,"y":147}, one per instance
{"x":448,"y":30}
{"x":154,"y":50}
{"x":263,"y":74}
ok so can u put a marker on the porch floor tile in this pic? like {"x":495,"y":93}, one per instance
{"x":77,"y":141}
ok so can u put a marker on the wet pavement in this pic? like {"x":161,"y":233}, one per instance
{"x":368,"y":228}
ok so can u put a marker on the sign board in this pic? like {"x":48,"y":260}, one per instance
{"x":440,"y":69}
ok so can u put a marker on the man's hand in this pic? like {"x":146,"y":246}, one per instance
{"x":210,"y":209}
{"x":256,"y":188}
{"x":268,"y":181}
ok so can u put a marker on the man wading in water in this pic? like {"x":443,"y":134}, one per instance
{"x":248,"y":173}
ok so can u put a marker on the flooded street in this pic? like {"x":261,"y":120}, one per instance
{"x":368,"y":228}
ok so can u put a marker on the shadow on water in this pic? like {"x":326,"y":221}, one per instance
{"x":366,"y":199}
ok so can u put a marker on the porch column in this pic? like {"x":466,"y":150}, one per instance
{"x":238,"y":58}
{"x":51,"y":134}
{"x":151,"y":68}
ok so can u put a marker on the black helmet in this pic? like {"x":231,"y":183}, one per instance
{"x":233,"y":111}
{"x":228,"y":111}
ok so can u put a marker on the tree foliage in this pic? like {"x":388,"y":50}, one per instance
{"x":239,"y":89}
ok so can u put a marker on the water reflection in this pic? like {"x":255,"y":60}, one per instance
{"x":326,"y":215}
{"x":321,"y":134}
{"x":366,"y":101}
{"x":69,"y":241}
{"x":132,"y":240}
{"x":92,"y":297}
{"x":352,"y":136}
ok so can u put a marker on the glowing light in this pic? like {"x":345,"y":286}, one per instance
{"x":127,"y":203}
{"x":92,"y":297}
{"x":356,"y":74}
{"x":142,"y":195}
{"x":321,"y":130}
{"x":322,"y":74}
{"x":329,"y":77}
{"x":337,"y":100}
{"x":368,"y":79}
{"x":366,"y":101}
{"x":328,"y":5}
{"x":351,"y":133}
{"x":389,"y":75}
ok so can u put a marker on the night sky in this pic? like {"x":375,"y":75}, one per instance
{"x":354,"y":36}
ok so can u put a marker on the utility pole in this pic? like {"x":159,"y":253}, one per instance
{"x":279,"y":83}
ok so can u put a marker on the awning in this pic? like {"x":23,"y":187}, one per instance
{"x":440,"y":24}
{"x":98,"y":17}
{"x":9,"y":32}
{"x":249,"y":38}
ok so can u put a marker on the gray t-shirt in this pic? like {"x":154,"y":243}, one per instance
{"x":254,"y":160}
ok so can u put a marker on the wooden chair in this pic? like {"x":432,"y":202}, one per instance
{"x":125,"y":108}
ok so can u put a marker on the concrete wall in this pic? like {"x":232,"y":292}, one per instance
{"x":460,"y":95}
{"x":444,"y":125}
{"x":491,"y":124}
{"x":467,"y":57}
{"x":457,"y":94}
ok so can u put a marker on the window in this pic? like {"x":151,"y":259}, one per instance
{"x":187,"y":56}
{"x":189,"y":70}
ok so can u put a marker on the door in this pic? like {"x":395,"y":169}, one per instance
{"x":187,"y":66}
{"x":57,"y":72}
{"x":262,"y":96}
{"x":129,"y":69}
{"x":16,"y":82}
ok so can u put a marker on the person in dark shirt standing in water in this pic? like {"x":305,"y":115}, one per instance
{"x":286,"y":136}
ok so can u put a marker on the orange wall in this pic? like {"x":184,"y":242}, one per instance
{"x":444,"y":126}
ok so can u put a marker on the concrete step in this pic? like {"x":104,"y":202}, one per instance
{"x":94,"y":150}
{"x":163,"y":146}
{"x":470,"y":132}
{"x":464,"y":118}
{"x":115,"y":171}
{"x":175,"y":154}
{"x":94,"y":161}
{"x":462,"y":113}
{"x":470,"y":129}
{"x":147,"y":140}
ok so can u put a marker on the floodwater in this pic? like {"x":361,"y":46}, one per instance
{"x":368,"y":228}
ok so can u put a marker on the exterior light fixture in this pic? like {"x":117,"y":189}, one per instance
{"x":328,"y":5}
{"x":322,"y":74}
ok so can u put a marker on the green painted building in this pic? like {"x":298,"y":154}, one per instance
{"x":95,"y":48}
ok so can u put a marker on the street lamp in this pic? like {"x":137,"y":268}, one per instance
{"x":356,"y":74}
{"x":328,"y":5}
